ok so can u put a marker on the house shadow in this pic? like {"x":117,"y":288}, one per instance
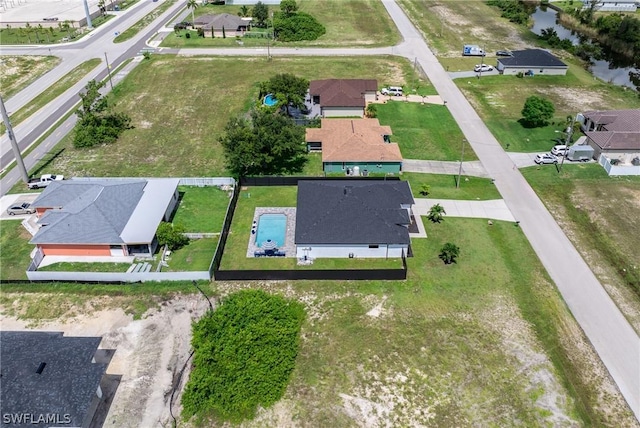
{"x":108,"y":385}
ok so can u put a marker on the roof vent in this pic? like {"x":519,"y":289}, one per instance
{"x":41,"y":368}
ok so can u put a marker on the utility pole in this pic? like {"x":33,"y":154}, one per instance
{"x":571,"y":121}
{"x":109,"y":69}
{"x":14,"y":143}
{"x":460,"y":168}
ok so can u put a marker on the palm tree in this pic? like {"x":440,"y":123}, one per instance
{"x":448,"y":253}
{"x":52,"y":33}
{"x":244,"y":11}
{"x":27,"y":31}
{"x":436,"y":213}
{"x":101,"y":6}
{"x":36,"y":30}
{"x":191,"y":4}
{"x":67,"y":26}
{"x":8,"y":29}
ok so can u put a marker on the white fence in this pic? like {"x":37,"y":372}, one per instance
{"x":117,"y":276}
{"x":624,"y":169}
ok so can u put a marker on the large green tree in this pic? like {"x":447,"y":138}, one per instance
{"x":537,"y":111}
{"x":260,"y":12}
{"x":288,"y":6}
{"x":268,"y":143}
{"x":97,"y":122}
{"x":288,"y":89}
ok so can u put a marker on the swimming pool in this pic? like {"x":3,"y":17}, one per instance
{"x":270,"y":100}
{"x":271,"y":227}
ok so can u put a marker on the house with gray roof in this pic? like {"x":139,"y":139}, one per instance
{"x":50,"y":380}
{"x":233,"y":25}
{"x":353,"y":218}
{"x":103,"y":217}
{"x":531,"y":62}
{"x":343,"y":97}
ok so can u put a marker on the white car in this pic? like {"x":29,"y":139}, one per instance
{"x":545,"y":158}
{"x":482,"y":67}
{"x":392,"y":91}
{"x":560,"y":150}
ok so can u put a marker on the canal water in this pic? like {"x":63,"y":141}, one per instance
{"x":611,"y":68}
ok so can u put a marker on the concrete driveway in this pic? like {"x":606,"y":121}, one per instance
{"x":471,"y":168}
{"x":16,"y":198}
{"x":494,"y":209}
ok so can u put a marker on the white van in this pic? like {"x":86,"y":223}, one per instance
{"x":392,"y":91}
{"x":560,"y":150}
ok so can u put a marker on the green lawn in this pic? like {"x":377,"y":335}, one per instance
{"x":184,"y":140}
{"x":343,"y":21}
{"x":39,"y":35}
{"x":85,"y":267}
{"x":15,"y":250}
{"x":52,"y":92}
{"x":196,"y":256}
{"x":18,"y":72}
{"x":424,"y":131}
{"x":202,"y":209}
{"x":444,"y":186}
{"x":143,"y":22}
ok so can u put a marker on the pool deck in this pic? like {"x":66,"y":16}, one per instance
{"x":289,"y":247}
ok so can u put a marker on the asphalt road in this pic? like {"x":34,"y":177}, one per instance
{"x":611,"y":335}
{"x":615,"y":341}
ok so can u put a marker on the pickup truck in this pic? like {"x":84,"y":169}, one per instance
{"x":37,"y":183}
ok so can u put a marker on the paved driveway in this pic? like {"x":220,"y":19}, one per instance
{"x":8,"y":200}
{"x":494,"y":209}
{"x":472,"y":168}
{"x":611,"y":335}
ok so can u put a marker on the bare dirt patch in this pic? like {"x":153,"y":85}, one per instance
{"x":16,"y":72}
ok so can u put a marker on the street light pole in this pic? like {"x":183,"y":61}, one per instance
{"x":460,"y":168}
{"x":108,"y":70}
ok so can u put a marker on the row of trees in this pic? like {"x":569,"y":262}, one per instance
{"x":40,"y":34}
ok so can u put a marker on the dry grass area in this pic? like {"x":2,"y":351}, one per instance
{"x":17,"y":72}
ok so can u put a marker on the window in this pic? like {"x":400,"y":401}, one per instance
{"x":374,"y":246}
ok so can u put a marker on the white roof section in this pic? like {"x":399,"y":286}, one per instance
{"x":144,"y":221}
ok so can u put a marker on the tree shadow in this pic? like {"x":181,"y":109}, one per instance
{"x":48,"y":159}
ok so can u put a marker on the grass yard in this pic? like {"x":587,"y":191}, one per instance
{"x":499,"y":101}
{"x":202,"y":209}
{"x":52,"y":92}
{"x":196,"y":256}
{"x":444,"y":186}
{"x":143,"y":22}
{"x":182,"y":140}
{"x":16,"y":250}
{"x":344,"y":23}
{"x":600,"y":215}
{"x":38,"y":35}
{"x":424,"y":131}
{"x":85,"y":267}
{"x":456,"y":345}
{"x":18,"y":72}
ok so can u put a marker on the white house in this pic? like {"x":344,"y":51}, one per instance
{"x":353,"y":218}
{"x":615,"y":5}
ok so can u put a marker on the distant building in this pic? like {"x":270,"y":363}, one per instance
{"x":49,"y":380}
{"x":532,"y":62}
{"x":343,"y":97}
{"x":353,"y":218}
{"x":614,"y":5}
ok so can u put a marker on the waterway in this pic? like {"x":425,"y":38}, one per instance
{"x":611,"y":68}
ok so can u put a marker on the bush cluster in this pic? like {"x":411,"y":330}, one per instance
{"x":514,"y":11}
{"x":245,"y":352}
{"x":297,"y":26}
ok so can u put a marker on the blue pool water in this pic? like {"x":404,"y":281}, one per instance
{"x":270,"y":100}
{"x":271,"y":226}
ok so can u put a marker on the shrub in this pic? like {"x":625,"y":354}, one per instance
{"x":448,"y":253}
{"x":245,"y":352}
{"x":296,"y":27}
{"x":537,"y":111}
{"x":171,"y":235}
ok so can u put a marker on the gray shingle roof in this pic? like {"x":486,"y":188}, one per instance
{"x":67,"y":384}
{"x":534,"y":58}
{"x":352,"y":212}
{"x":92,"y":212}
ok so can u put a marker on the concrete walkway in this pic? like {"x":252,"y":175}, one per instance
{"x":471,"y":169}
{"x":613,"y":338}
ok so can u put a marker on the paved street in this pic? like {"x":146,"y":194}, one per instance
{"x":613,"y":338}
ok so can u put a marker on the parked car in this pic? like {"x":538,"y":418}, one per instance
{"x":392,"y":90}
{"x":482,"y":67}
{"x":545,"y":158}
{"x":23,"y":208}
{"x":50,"y":19}
{"x":560,"y":150}
{"x":504,"y":53}
{"x":182,"y":25}
{"x":43,"y":181}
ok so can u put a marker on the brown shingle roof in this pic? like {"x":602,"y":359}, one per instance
{"x":353,"y":140}
{"x":342,"y":92}
{"x":615,"y":140}
{"x":616,"y":120}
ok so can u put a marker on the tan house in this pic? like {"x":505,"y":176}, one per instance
{"x":343,"y":97}
{"x":233,"y":25}
{"x":355,"y":146}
